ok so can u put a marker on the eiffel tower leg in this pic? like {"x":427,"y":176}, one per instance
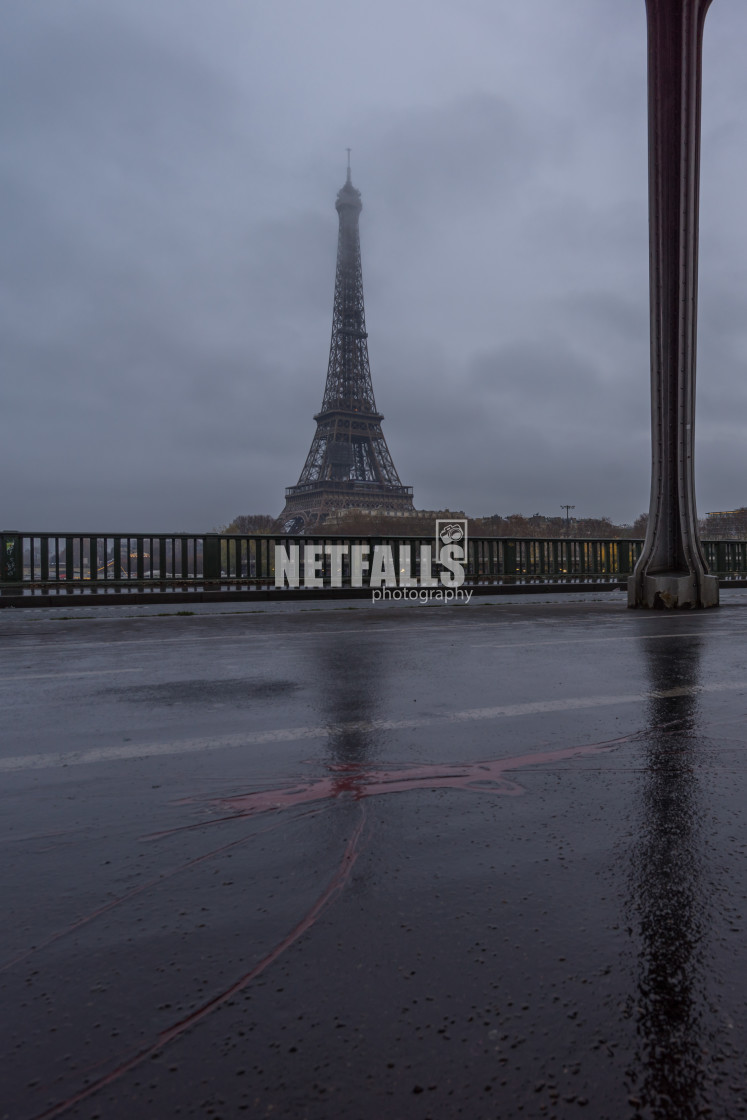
{"x":672,"y":571}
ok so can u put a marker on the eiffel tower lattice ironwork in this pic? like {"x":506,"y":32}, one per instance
{"x":349,"y":465}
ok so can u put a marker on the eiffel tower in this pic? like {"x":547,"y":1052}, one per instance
{"x":349,"y":465}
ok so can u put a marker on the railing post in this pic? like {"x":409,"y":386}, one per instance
{"x":69,"y":562}
{"x":211,"y":558}
{"x":471,"y":562}
{"x":623,"y":557}
{"x":509,"y":558}
{"x":11,"y":560}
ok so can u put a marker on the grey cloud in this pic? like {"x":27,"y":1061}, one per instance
{"x":168,"y":173}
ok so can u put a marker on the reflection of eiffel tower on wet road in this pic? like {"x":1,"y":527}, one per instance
{"x":349,"y":465}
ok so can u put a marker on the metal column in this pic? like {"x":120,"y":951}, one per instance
{"x":672,"y":571}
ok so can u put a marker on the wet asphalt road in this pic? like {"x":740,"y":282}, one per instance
{"x":481,"y":862}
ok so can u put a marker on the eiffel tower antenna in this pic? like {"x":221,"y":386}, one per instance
{"x":348,"y":465}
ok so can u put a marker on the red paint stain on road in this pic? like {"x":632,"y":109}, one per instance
{"x":170,"y":1034}
{"x":356,"y":781}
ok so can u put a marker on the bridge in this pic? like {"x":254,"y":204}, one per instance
{"x":487,"y":860}
{"x":42,"y":568}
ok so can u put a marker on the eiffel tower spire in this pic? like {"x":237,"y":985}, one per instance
{"x":348,"y":465}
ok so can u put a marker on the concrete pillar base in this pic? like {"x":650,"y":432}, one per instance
{"x":672,"y":590}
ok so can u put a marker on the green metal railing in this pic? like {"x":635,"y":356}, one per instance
{"x":88,"y":562}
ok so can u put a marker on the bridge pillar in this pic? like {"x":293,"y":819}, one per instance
{"x":672,"y":570}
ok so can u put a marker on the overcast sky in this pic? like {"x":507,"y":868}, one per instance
{"x":168,"y":172}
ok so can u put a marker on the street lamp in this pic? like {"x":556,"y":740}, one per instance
{"x":567,"y":518}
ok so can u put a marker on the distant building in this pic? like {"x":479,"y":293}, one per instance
{"x":727,"y":524}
